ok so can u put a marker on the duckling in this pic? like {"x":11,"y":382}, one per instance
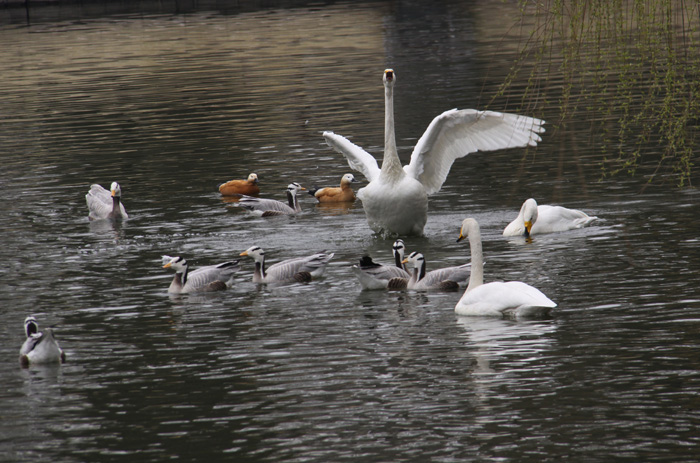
{"x":247,"y":187}
{"x":104,"y":204}
{"x":39,"y":347}
{"x":299,"y":269}
{"x":271,"y":207}
{"x":205,"y":279}
{"x":342,"y":194}
{"x":445,"y":278}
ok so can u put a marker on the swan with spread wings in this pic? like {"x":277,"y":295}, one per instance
{"x":396,"y":199}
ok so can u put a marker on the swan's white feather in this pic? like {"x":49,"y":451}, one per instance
{"x":358,"y":159}
{"x":456,"y":133}
{"x":546,"y":219}
{"x":498,"y":298}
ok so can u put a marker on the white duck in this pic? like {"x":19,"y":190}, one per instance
{"x":272,"y":207}
{"x":534,"y":219}
{"x":511,"y":298}
{"x":447,"y":278}
{"x":39,"y":347}
{"x":300,"y":269}
{"x":378,"y":276}
{"x":205,"y":279}
{"x":104,"y":204}
{"x":396,"y":199}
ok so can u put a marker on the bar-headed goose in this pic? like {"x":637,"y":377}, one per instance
{"x":396,"y":199}
{"x":272,"y":207}
{"x":247,"y":187}
{"x":104,"y":204}
{"x":39,"y":347}
{"x":535,"y":219}
{"x":378,"y":276}
{"x":499,"y":299}
{"x":204,"y":279}
{"x":447,"y":278}
{"x":300,"y":269}
{"x":342,"y":194}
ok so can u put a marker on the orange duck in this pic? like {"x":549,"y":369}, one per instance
{"x":247,"y":187}
{"x":341,"y":194}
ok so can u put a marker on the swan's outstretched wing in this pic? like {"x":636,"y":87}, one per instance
{"x":358,"y":159}
{"x":456,"y":133}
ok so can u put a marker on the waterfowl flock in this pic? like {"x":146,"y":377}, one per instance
{"x":395,"y":201}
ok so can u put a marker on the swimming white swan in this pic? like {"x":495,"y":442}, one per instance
{"x":300,"y":269}
{"x":272,"y":207}
{"x":445,"y":278}
{"x":39,"y":347}
{"x":205,"y":279}
{"x":104,"y":204}
{"x":339,"y":194}
{"x":378,"y":276}
{"x":534,"y":219}
{"x":511,"y":298}
{"x":396,"y":199}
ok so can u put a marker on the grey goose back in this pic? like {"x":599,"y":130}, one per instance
{"x":39,"y":347}
{"x":205,"y":279}
{"x":299,"y":269}
{"x":272,"y":207}
{"x":103,"y":204}
{"x":447,"y":278}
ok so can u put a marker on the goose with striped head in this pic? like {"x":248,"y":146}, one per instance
{"x":272,"y":207}
{"x":104,"y":204}
{"x":40,"y":347}
{"x":447,"y":278}
{"x":396,"y":199}
{"x":378,"y":276}
{"x":204,"y":279}
{"x":299,"y":269}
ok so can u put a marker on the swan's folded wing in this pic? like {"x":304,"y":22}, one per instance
{"x":456,"y":133}
{"x":358,"y":159}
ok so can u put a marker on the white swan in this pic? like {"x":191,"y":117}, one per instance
{"x":378,"y":276}
{"x":396,"y":199}
{"x":511,"y":298}
{"x":272,"y":207}
{"x":300,"y":269}
{"x":534,"y":219}
{"x":39,"y":347}
{"x":445,"y":278}
{"x":104,"y":204}
{"x":205,"y":279}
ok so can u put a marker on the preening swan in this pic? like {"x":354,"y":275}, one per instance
{"x":396,"y":199}
{"x":512,"y":298}
{"x":378,"y":276}
{"x":300,"y":269}
{"x":271,"y":207}
{"x":39,"y":347}
{"x":341,"y":194}
{"x":247,"y":187}
{"x":445,"y":278}
{"x":205,"y":279}
{"x":104,"y":204}
{"x":534,"y":219}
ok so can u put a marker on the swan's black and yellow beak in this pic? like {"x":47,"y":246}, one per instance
{"x":528,"y":227}
{"x":461,"y":236}
{"x":389,"y":74}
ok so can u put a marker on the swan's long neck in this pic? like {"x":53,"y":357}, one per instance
{"x":476,"y":277}
{"x":391,"y":163}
